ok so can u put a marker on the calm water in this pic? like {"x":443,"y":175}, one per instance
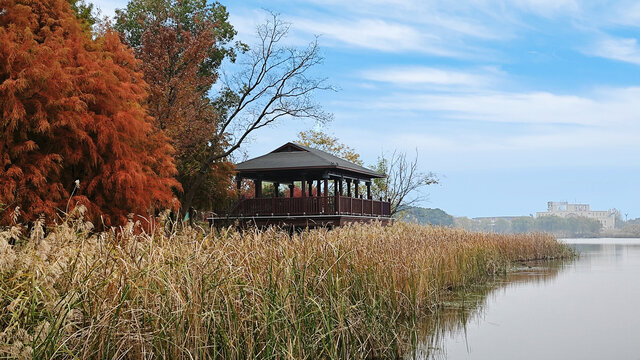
{"x":585,"y":309}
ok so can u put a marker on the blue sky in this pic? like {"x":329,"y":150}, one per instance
{"x":513,"y":103}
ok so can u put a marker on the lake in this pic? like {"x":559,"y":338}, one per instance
{"x":588,"y":308}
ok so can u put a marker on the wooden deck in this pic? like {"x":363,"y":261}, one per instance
{"x":304,"y":211}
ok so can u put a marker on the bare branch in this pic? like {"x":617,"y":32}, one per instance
{"x":273,"y":84}
{"x":404,"y":182}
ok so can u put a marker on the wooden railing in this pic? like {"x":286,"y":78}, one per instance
{"x":317,"y":205}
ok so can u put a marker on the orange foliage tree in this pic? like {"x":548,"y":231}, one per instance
{"x":71,"y":108}
{"x":181,"y":44}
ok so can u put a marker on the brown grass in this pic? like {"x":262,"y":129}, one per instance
{"x":353,"y":292}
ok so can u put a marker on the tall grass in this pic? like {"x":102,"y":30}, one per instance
{"x":354,"y":292}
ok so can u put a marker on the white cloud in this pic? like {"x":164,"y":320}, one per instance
{"x":421,"y":75}
{"x":548,"y":7}
{"x":621,"y":49}
{"x":506,"y":129}
{"x":615,"y":107}
{"x":621,"y":12}
{"x":374,"y":34}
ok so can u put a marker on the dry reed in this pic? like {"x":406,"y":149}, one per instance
{"x":353,"y":292}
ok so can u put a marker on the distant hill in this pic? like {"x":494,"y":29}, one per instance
{"x":427,"y":216}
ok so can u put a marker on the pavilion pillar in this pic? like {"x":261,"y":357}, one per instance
{"x":303,"y":188}
{"x":326,"y":196}
{"x":355,"y":185}
{"x":318,"y":187}
{"x":337,"y":194}
{"x":310,"y":188}
{"x":291,"y":187}
{"x":276,"y":187}
{"x":258,"y":185}
{"x":368,"y":183}
{"x":349,"y":187}
{"x":340,"y":187}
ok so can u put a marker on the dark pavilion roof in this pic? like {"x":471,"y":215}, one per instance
{"x":294,"y":157}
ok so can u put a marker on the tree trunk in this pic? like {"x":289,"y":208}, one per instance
{"x":191,"y":193}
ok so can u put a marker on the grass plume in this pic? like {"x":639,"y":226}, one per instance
{"x":353,"y":292}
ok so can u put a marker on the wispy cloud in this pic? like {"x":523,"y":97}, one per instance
{"x":621,"y":49}
{"x":548,"y":7}
{"x":424,"y":75}
{"x":549,"y":128}
{"x":613,"y":107}
{"x":374,"y":34}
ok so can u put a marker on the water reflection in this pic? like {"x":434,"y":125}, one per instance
{"x":467,"y":305}
{"x":582,"y":309}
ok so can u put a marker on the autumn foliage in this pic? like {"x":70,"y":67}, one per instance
{"x":172,"y":58}
{"x":72,"y":108}
{"x":181,"y":44}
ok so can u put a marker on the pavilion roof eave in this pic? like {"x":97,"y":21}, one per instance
{"x":296,"y":160}
{"x":301,"y":172}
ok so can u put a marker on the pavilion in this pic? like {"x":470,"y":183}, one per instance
{"x":322,"y":205}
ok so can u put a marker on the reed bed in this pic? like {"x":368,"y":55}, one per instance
{"x":354,"y":292}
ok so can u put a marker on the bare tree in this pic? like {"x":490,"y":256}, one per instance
{"x":403,"y":183}
{"x":273,"y":83}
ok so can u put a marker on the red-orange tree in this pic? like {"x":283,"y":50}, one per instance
{"x":71,"y":108}
{"x":181,"y":44}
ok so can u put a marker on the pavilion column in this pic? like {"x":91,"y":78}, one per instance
{"x":258,"y":185}
{"x":310,"y":188}
{"x":276,"y":187}
{"x":368,"y":183}
{"x":356,"y":183}
{"x":326,"y":196}
{"x":336,"y":194}
{"x":291,"y":187}
{"x":349,"y":187}
{"x":238,"y":183}
{"x":303,"y":185}
{"x":340,"y":187}
{"x":318,"y":187}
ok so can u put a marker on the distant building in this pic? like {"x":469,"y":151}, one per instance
{"x":565,"y":210}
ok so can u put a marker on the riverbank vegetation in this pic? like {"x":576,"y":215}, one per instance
{"x":352,"y":292}
{"x":561,"y":227}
